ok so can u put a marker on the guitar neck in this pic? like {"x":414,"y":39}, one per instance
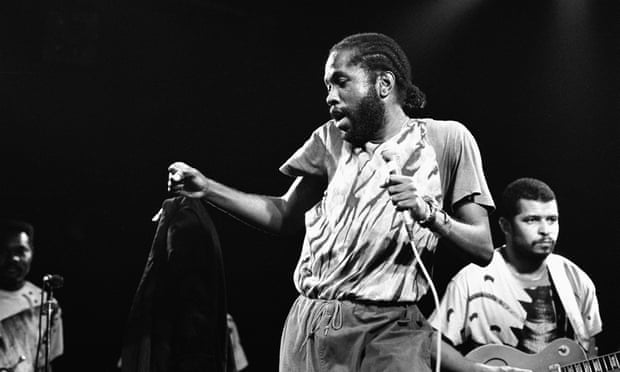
{"x":604,"y":363}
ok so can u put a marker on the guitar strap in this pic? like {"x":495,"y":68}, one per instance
{"x":567,"y":297}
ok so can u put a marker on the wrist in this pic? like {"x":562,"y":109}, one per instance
{"x":208,"y":188}
{"x":429,"y":217}
{"x":435,"y":219}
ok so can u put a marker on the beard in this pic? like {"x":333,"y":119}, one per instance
{"x":13,"y":276}
{"x":531,"y":250}
{"x":366,"y":119}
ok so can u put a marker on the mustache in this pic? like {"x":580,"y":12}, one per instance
{"x":544,"y":240}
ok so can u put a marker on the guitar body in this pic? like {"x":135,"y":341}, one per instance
{"x":559,"y":352}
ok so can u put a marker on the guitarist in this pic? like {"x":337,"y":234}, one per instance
{"x":527,"y":296}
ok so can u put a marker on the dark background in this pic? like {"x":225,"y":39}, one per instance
{"x":98,"y":97}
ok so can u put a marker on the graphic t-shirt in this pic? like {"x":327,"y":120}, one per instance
{"x":489,"y":305}
{"x":541,"y":321}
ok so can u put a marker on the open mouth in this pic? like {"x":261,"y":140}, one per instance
{"x":340,"y":119}
{"x":337,"y":114}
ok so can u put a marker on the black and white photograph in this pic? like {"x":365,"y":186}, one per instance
{"x":309,"y":186}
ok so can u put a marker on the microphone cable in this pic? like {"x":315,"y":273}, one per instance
{"x":409,"y":226}
{"x":391,"y":158}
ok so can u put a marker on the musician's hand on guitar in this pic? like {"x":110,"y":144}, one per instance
{"x":187,"y":181}
{"x":479,"y":367}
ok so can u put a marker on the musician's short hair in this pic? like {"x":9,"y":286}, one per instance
{"x":523,"y":188}
{"x":10,"y":228}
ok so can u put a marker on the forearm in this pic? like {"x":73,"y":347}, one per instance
{"x":270,"y":213}
{"x":468,"y":229}
{"x":284,"y":214}
{"x":474,"y":240}
{"x":451,"y":359}
{"x":261,"y":211}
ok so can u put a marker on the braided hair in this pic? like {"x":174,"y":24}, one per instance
{"x":378,"y":52}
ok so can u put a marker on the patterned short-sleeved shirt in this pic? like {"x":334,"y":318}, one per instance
{"x":488,"y":305}
{"x":356,"y":244}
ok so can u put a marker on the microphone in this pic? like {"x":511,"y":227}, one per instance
{"x":392,"y":161}
{"x":53,"y":281}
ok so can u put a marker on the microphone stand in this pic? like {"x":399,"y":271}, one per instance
{"x":49,"y":283}
{"x":48,"y":312}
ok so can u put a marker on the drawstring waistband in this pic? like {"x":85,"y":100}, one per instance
{"x":334,"y":320}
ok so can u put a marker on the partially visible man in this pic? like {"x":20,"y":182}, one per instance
{"x":20,"y":304}
{"x":527,"y":296}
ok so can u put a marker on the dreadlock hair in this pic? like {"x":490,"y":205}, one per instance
{"x":10,"y":228}
{"x":378,"y":52}
{"x":524,"y":188}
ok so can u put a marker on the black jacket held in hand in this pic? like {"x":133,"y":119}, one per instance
{"x":177,"y":321}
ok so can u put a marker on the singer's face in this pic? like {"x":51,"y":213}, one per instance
{"x":534,"y":231}
{"x":352,"y":98}
{"x":15,"y":260}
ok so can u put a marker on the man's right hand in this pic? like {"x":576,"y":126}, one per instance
{"x":187,"y":181}
{"x":479,"y":367}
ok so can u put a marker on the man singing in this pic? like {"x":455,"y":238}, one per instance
{"x":369,"y":185}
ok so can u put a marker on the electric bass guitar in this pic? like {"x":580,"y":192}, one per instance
{"x":562,"y":355}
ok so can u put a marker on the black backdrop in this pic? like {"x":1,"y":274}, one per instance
{"x":97,"y":97}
